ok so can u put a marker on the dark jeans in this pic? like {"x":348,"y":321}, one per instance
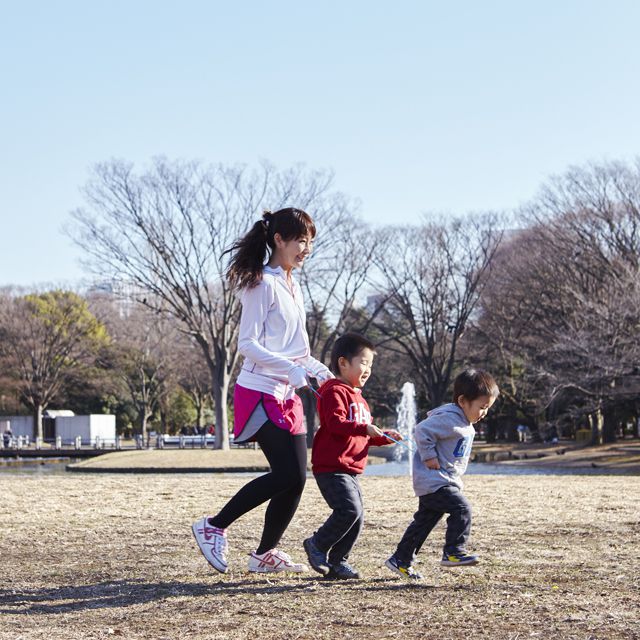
{"x":283,"y":485}
{"x":431,"y":508}
{"x":339,"y":533}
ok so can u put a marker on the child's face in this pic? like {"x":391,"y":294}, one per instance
{"x":357,"y":370}
{"x":476,"y":410}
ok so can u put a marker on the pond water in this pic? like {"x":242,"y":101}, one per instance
{"x":486,"y":468}
{"x":42,"y":466}
{"x":48,"y":467}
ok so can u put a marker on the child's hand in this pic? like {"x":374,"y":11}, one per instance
{"x":394,"y":434}
{"x":373,"y":431}
{"x":432,"y":463}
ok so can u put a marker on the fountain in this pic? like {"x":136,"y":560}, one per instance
{"x":406,"y":424}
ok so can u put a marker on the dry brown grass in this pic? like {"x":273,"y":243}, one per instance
{"x":86,"y":556}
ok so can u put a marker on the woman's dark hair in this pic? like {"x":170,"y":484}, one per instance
{"x":250,"y":252}
{"x":348,"y":346}
{"x":473,"y":383}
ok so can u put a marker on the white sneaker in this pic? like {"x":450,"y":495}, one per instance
{"x":274,"y":561}
{"x":212,"y":542}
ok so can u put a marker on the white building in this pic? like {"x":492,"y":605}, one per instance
{"x":66,"y":425}
{"x":20,"y":425}
{"x":88,"y":428}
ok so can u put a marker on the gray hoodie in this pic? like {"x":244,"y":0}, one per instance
{"x":445,"y":434}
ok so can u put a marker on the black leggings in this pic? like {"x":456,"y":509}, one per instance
{"x":283,"y":485}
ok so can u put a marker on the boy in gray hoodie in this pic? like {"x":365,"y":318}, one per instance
{"x":443,"y":447}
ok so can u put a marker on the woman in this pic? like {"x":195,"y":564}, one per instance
{"x":274,"y":342}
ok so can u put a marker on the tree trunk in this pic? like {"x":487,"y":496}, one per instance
{"x":37,"y":420}
{"x":220,"y":392}
{"x":198,"y":404}
{"x":163,"y":421}
{"x":437,"y":394}
{"x":143,"y":423}
{"x":609,"y":426}
{"x":596,"y":422}
{"x":310,"y":413}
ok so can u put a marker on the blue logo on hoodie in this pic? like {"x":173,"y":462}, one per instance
{"x":461,"y":447}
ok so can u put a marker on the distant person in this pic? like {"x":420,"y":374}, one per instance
{"x":522,"y":430}
{"x":339,"y":456}
{"x":443,"y":442}
{"x":7,"y":437}
{"x":273,"y":340}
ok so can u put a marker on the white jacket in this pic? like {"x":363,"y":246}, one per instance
{"x":273,"y":337}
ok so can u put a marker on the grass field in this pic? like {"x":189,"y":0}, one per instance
{"x":95,"y":556}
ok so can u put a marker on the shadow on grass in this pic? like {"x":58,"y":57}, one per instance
{"x":126,"y":593}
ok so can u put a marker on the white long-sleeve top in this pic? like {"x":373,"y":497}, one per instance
{"x":273,"y":336}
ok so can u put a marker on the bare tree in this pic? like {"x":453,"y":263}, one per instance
{"x":165,"y":231}
{"x":434,"y":275}
{"x":564,"y":300}
{"x":334,"y":281}
{"x":193,"y":376}
{"x":142,"y":354}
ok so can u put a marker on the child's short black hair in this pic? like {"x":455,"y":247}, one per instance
{"x":473,"y":383}
{"x":348,"y":346}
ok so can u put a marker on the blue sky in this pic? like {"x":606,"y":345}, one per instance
{"x":418,"y":106}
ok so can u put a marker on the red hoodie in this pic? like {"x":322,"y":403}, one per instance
{"x":341,"y":444}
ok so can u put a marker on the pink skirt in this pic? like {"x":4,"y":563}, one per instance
{"x":287,"y":414}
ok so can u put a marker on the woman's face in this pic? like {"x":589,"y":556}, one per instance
{"x":291,"y":254}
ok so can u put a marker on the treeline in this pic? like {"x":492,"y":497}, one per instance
{"x":547,"y":298}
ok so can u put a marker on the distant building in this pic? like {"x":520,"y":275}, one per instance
{"x":65,"y":424}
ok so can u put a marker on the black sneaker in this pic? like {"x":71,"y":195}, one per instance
{"x":317,"y":558}
{"x":405,"y":570}
{"x":460,"y":559}
{"x":343,"y":571}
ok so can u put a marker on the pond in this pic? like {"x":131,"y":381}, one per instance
{"x":486,"y":468}
{"x":50,"y":467}
{"x":35,"y":466}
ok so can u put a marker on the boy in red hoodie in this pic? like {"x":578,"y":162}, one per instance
{"x":339,"y":455}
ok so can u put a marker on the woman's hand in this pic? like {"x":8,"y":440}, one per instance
{"x":298,"y":377}
{"x":432,"y":463}
{"x":394,"y":434}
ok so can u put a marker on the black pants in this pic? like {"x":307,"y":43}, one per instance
{"x":339,"y":533}
{"x":431,"y":508}
{"x":283,"y":485}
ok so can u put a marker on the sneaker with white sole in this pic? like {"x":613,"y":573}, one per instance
{"x":274,"y":561}
{"x":459,"y":559}
{"x":212,"y":542}
{"x":406,"y":570}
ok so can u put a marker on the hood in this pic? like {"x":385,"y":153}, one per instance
{"x":334,"y":382}
{"x":449,"y":414}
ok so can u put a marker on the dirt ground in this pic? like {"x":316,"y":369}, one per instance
{"x":95,"y":556}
